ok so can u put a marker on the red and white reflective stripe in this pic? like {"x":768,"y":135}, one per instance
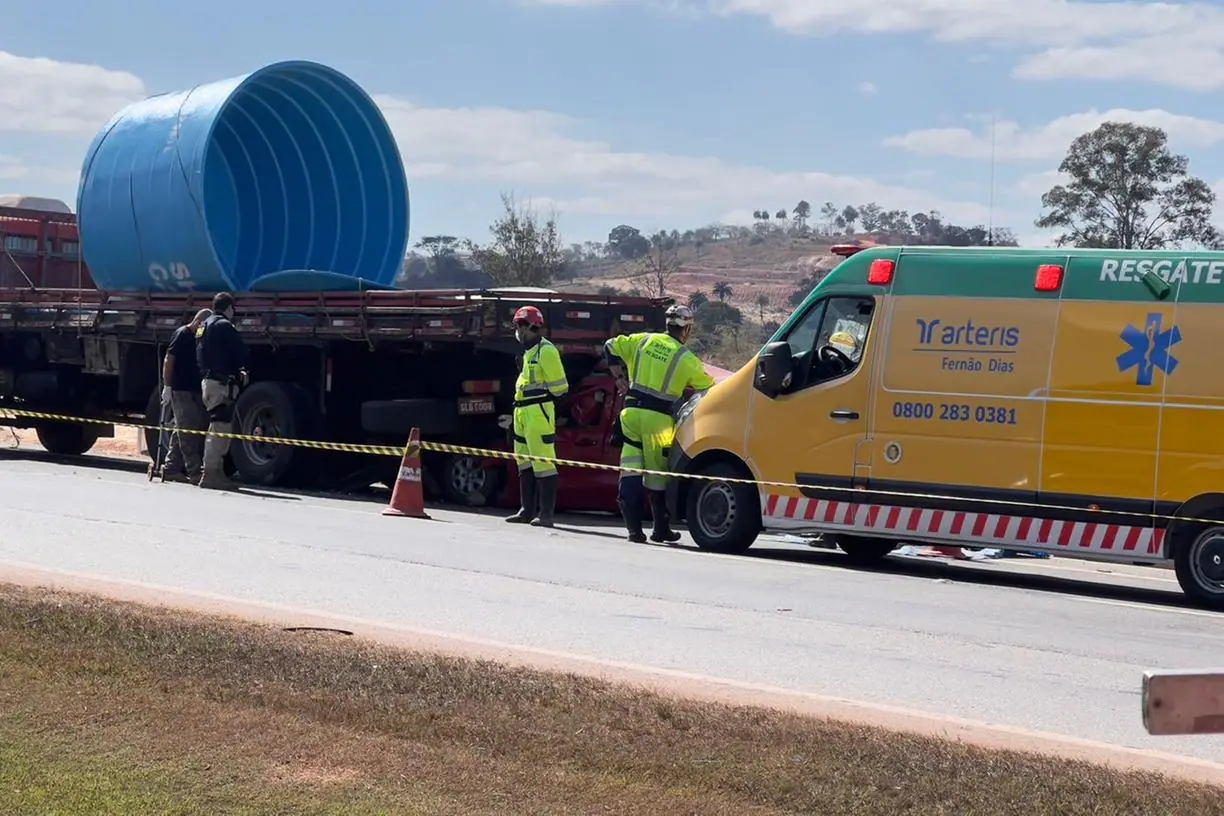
{"x":578,"y":315}
{"x":958,"y":525}
{"x":631,"y":318}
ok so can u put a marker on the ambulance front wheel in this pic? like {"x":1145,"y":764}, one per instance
{"x":723,"y":516}
{"x":1198,"y":560}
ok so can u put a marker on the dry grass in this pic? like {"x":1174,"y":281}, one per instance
{"x":116,"y":708}
{"x":772,"y":267}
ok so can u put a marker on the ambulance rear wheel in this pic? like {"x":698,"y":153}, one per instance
{"x":723,"y":517}
{"x":1198,"y":561}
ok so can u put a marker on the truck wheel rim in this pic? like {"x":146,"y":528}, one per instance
{"x":716,"y":509}
{"x":1207,"y":561}
{"x":262,"y":423}
{"x":467,"y":476}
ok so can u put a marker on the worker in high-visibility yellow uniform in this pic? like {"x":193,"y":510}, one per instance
{"x":659,"y":369}
{"x":541,"y":381}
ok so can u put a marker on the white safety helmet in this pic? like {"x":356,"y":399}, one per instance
{"x":678,"y":315}
{"x":846,"y":343}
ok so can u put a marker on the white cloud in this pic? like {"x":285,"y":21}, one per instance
{"x":17,"y":168}
{"x":1038,"y":184}
{"x":1051,"y":140}
{"x":1176,"y":43}
{"x":12,"y":167}
{"x":1164,"y":41}
{"x":543,"y":156}
{"x":42,"y":95}
{"x":533,"y":152}
{"x":868,"y":88}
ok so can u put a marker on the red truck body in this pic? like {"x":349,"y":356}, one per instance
{"x":40,"y":250}
{"x":346,"y":367}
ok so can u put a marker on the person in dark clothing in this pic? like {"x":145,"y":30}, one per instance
{"x":181,"y":376}
{"x":222,"y":357}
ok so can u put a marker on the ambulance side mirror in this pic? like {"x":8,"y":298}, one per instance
{"x":773,"y":369}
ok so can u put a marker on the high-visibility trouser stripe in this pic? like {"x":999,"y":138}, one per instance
{"x":632,"y":455}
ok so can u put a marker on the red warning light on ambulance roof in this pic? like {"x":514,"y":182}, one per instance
{"x":880,"y":273}
{"x":1049,"y":278}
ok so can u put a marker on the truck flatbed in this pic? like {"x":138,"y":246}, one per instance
{"x":370,"y":316}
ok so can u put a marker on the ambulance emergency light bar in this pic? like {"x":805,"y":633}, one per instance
{"x":1049,"y":277}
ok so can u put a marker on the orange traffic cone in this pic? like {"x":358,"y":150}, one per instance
{"x":408,"y":497}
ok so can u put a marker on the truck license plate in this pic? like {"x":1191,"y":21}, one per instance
{"x":476,"y":405}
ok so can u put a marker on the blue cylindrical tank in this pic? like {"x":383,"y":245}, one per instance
{"x":290,"y":172}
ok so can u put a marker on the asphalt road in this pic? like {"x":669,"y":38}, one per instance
{"x":1053,"y":646}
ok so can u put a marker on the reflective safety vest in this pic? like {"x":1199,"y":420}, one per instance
{"x":660,"y":367}
{"x":542,"y":378}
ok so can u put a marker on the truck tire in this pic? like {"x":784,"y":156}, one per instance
{"x":433,"y":417}
{"x":66,"y":438}
{"x":1198,"y":561}
{"x":723,"y":517}
{"x":273,"y":409}
{"x":468,"y":481}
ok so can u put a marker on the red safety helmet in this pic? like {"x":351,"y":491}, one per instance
{"x":529,"y":315}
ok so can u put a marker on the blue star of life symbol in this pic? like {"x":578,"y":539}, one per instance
{"x":1149,"y":350}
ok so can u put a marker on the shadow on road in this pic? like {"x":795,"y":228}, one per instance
{"x":99,"y":462}
{"x":980,"y":573}
{"x":607,"y":526}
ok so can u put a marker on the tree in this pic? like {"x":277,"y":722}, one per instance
{"x":895,"y":221}
{"x":722,"y":291}
{"x":414,"y":266}
{"x":1127,"y":190}
{"x":523,"y":252}
{"x":828,"y":216}
{"x":762,"y":300}
{"x":928,"y":227}
{"x":438,"y":246}
{"x":713,"y":322}
{"x":800,"y":214}
{"x":871,"y":215}
{"x":847,"y":218}
{"x":1002,"y":236}
{"x":445,"y":268}
{"x":627,"y":242}
{"x":697,"y":299}
{"x":660,"y":263}
{"x":762,"y":221}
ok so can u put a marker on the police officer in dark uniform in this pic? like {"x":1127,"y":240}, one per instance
{"x":222,"y":356}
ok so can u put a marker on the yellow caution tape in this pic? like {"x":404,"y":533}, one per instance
{"x":346,"y":447}
{"x":440,"y":447}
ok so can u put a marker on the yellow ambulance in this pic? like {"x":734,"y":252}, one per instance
{"x":1058,"y":401}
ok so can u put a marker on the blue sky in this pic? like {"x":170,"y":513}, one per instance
{"x":656,"y":113}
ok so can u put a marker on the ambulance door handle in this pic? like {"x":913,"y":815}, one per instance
{"x":843,"y":414}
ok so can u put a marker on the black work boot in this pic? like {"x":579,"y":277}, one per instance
{"x":632,"y":513}
{"x":662,"y":532}
{"x":548,"y":501}
{"x":527,"y":492}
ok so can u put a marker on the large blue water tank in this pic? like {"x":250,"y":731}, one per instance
{"x":272,"y":181}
